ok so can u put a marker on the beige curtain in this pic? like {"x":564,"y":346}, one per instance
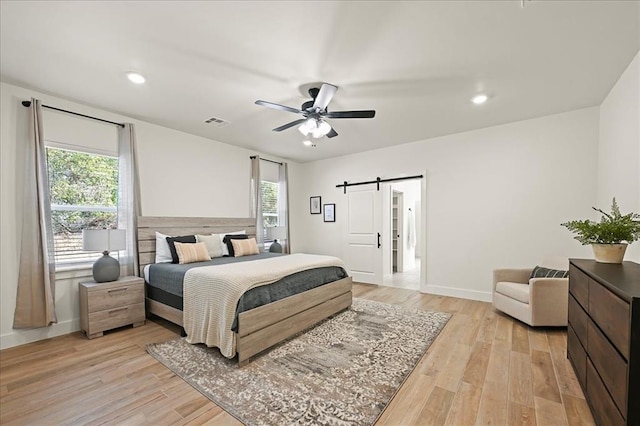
{"x":256,"y":200}
{"x":128,"y":199}
{"x":283,"y":208}
{"x":35,"y":301}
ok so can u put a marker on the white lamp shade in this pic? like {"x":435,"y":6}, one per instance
{"x":276,"y":233}
{"x":103,"y":239}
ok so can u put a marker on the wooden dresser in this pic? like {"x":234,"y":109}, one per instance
{"x":603,"y":338}
{"x":104,"y":306}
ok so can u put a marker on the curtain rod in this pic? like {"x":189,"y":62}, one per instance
{"x":264,"y":159}
{"x":377,"y":181}
{"x":28,"y":104}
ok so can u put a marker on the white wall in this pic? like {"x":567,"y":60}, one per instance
{"x":619,"y":148}
{"x":494,"y":197}
{"x":180,"y":175}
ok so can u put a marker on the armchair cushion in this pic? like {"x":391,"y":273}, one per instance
{"x":517,"y":291}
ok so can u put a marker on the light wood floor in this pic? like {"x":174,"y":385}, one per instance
{"x":484,"y":368}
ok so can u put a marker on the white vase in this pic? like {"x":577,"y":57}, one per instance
{"x":609,"y":253}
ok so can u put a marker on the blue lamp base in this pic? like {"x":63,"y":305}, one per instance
{"x":106,"y":269}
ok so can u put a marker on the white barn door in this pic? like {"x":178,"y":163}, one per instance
{"x":363,"y":241}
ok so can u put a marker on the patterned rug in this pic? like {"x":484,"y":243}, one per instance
{"x":343,"y":371}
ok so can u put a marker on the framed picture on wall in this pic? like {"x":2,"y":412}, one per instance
{"x":315,"y":205}
{"x":329,"y":212}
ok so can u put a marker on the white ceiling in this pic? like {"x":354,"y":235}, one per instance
{"x":416,"y":63}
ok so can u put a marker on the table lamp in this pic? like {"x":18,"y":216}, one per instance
{"x":274,"y":233}
{"x":106,"y":268}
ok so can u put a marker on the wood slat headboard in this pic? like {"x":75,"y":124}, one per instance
{"x":174,"y":226}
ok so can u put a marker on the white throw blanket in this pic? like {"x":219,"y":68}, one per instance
{"x":211,"y":294}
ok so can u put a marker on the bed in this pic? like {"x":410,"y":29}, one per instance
{"x":259,"y":327}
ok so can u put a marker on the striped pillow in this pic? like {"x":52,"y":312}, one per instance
{"x":540,"y":272}
{"x":192,"y":252}
{"x":245,"y":247}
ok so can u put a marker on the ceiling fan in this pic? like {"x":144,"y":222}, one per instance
{"x":315,"y":113}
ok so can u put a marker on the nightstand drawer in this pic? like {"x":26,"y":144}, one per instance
{"x":100,"y":300}
{"x":116,"y":317}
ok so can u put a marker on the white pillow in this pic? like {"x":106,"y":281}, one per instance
{"x":225,"y":249}
{"x":214,"y":246}
{"x":163,"y":254}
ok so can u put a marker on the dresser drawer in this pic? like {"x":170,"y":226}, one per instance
{"x":578,"y":320}
{"x":611,"y":367}
{"x":604,"y":410}
{"x":103,"y":299}
{"x":577,"y":355}
{"x":612,"y":315}
{"x":116,"y":317}
{"x":579,"y":286}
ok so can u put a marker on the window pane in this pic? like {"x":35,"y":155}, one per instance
{"x":82,"y":179}
{"x":269,"y":203}
{"x":84,"y":190}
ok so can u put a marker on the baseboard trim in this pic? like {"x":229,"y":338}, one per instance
{"x":482,"y":296}
{"x":22,"y":337}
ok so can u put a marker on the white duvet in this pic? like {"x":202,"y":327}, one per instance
{"x":211,"y":294}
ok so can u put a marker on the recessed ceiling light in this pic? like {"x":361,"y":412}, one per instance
{"x":136,"y":78}
{"x":309,"y":143}
{"x":479,"y":99}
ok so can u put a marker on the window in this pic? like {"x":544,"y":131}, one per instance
{"x":270,"y":203}
{"x":84,"y":193}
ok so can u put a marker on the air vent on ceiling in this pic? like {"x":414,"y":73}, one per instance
{"x":218,"y":122}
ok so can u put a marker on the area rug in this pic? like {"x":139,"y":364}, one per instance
{"x":343,"y":371}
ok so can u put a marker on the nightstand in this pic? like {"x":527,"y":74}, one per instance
{"x":104,"y":306}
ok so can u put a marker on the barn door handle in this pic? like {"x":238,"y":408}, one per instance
{"x":379,"y":240}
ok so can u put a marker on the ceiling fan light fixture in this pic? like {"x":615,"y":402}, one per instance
{"x":322,"y":129}
{"x":308,"y":143}
{"x":307,"y":127}
{"x":315,"y":127}
{"x":479,"y":99}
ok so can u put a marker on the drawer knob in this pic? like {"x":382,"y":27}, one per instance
{"x":117,"y":289}
{"x":118,"y":310}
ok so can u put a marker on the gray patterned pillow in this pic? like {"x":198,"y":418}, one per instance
{"x":540,"y":272}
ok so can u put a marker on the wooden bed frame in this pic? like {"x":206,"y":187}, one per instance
{"x":259,"y":328}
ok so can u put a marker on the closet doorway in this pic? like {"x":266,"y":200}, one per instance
{"x":402,"y":205}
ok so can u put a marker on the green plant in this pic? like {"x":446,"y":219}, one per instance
{"x":613,"y":228}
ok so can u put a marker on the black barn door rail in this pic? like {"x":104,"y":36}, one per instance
{"x":378,"y":181}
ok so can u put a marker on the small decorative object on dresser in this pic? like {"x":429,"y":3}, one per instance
{"x":104,"y":306}
{"x":603,"y":338}
{"x":610,"y":236}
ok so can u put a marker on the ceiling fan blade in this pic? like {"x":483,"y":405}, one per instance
{"x":350,"y":114}
{"x":288,"y":125}
{"x":332,"y":133}
{"x":324,"y":96}
{"x":278,"y":106}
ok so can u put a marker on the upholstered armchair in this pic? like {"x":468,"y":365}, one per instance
{"x":534,"y":301}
